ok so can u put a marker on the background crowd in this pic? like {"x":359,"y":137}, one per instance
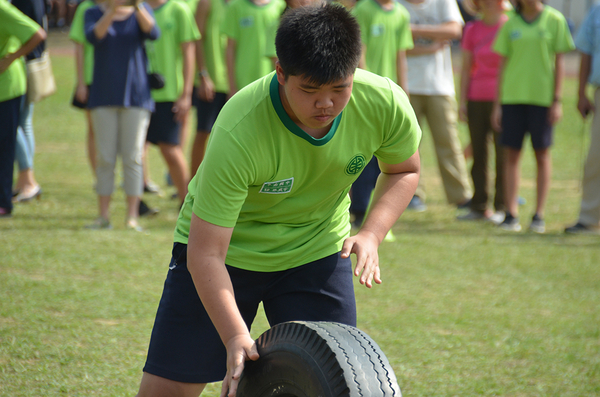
{"x":141,"y":67}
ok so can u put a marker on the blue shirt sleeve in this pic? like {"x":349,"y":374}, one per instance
{"x":584,"y":40}
{"x":92,"y":15}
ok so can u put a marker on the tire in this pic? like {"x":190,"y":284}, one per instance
{"x":317,"y":359}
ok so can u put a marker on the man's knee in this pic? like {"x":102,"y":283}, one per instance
{"x":156,"y":386}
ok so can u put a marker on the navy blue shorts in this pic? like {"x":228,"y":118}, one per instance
{"x":518,"y":120}
{"x":163,"y":128}
{"x":186,"y":347}
{"x":207,"y":112}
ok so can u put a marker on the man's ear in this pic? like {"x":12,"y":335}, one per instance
{"x":280,"y":73}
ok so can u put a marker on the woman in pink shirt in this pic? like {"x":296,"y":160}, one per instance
{"x":478,"y":88}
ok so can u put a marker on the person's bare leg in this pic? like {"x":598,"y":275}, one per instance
{"x":91,"y":143}
{"x":512,"y":177}
{"x":184,"y":132}
{"x":133,"y":204}
{"x":544,"y":173}
{"x":155,"y":386}
{"x":103,"y":204}
{"x":198,"y":149}
{"x":145,"y":164}
{"x":178,"y":168}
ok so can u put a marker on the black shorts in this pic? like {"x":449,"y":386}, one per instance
{"x":207,"y":112}
{"x":163,"y":128}
{"x":518,"y":120}
{"x":186,"y":347}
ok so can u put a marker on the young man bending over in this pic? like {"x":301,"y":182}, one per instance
{"x":266,"y":217}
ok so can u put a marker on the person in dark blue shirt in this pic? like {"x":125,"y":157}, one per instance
{"x":119,"y":99}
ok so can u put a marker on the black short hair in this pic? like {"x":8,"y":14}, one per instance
{"x":320,"y":43}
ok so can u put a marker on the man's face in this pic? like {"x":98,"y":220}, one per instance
{"x":310,"y":105}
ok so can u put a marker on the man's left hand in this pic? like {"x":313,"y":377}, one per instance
{"x":364,"y":245}
{"x":181,"y":108}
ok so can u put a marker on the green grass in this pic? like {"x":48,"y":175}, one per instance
{"x":464,"y":308}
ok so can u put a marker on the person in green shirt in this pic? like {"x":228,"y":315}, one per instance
{"x":531,"y":43}
{"x":172,"y":55}
{"x":266,"y":217}
{"x":84,"y":64}
{"x":246,"y":24}
{"x":212,"y":85}
{"x":386,"y":35}
{"x":19,"y":35}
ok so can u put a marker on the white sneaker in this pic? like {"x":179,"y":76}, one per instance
{"x":497,"y":217}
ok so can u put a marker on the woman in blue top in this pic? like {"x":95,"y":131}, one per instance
{"x":119,"y":98}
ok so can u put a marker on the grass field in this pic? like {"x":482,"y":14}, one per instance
{"x":464,"y":310}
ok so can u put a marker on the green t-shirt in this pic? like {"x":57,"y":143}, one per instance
{"x":284,"y":192}
{"x":192,"y":4}
{"x":177,"y":25}
{"x":77,"y":34}
{"x":530,"y":50}
{"x":215,"y":43}
{"x":15,"y":30}
{"x":270,"y":51}
{"x":248,"y":24}
{"x":383,"y":33}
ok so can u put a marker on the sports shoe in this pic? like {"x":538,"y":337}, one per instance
{"x":497,"y":217}
{"x":464,"y":205}
{"x":99,"y":224}
{"x":580,"y":228}
{"x":537,"y":224}
{"x":471,"y":216}
{"x":5,"y":213}
{"x":132,"y":224}
{"x":152,"y":188}
{"x":510,"y":223}
{"x":144,"y":210}
{"x":416,"y":204}
{"x":359,"y":218}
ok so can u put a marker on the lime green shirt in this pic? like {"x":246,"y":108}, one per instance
{"x":383,"y":33}
{"x":15,"y":30}
{"x":284,"y":192}
{"x":248,"y":24}
{"x":177,"y":26}
{"x":530,"y":51}
{"x":270,"y":51}
{"x":215,"y":43}
{"x":77,"y":34}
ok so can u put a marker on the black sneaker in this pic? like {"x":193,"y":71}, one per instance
{"x":580,"y":228}
{"x":416,"y":205}
{"x":152,"y":188}
{"x":510,"y":223}
{"x":144,"y":210}
{"x":537,"y":224}
{"x":465,"y":205}
{"x":359,"y":218}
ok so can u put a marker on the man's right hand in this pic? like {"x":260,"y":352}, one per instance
{"x":206,"y":89}
{"x":81,"y":94}
{"x":239,"y":349}
{"x":585,"y":106}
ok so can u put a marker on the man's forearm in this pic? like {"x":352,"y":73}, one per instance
{"x":445,"y":31}
{"x":188,"y":50}
{"x":585,"y":69}
{"x":206,"y":251}
{"x":559,"y":73}
{"x":391,"y":196}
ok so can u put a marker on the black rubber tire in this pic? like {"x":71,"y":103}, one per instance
{"x":317,"y":359}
